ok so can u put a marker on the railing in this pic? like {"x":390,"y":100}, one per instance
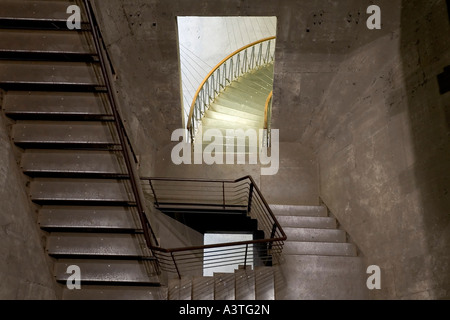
{"x":250,"y":57}
{"x":196,"y":195}
{"x":267,"y":119}
{"x":128,"y":155}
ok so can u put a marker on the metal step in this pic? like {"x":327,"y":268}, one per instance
{"x":180,"y":289}
{"x":45,"y":45}
{"x":69,"y":163}
{"x":224,"y":286}
{"x":292,"y":210}
{"x":318,"y":235}
{"x":319,"y":248}
{"x":307,"y":222}
{"x":214,"y":123}
{"x":81,"y":191}
{"x":228,"y":102}
{"x":48,"y":134}
{"x":89,"y":219}
{"x":108,"y":272}
{"x":93,"y":292}
{"x":237,"y":92}
{"x":203,"y":288}
{"x":245,"y":284}
{"x":44,"y":75}
{"x":96,"y":245}
{"x":56,"y":106}
{"x":264,"y":283}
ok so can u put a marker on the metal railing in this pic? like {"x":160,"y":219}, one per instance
{"x":126,"y":149}
{"x":198,"y":195}
{"x":243,"y":60}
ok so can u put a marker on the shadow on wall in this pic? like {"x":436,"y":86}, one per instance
{"x":425,"y":52}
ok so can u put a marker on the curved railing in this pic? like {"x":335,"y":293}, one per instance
{"x":243,"y":60}
{"x":267,"y":119}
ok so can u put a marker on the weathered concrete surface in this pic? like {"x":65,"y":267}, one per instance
{"x":382,"y":137}
{"x":25,"y":269}
{"x":366,"y":101}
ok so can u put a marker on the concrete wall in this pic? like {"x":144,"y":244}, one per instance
{"x":25,"y":269}
{"x":362,"y":106}
{"x":383,"y":147}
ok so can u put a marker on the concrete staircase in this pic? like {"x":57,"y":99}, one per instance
{"x":67,"y":141}
{"x":320,"y":263}
{"x":243,"y":284}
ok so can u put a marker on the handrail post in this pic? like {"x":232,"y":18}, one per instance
{"x":223,"y":195}
{"x":250,"y":198}
{"x":154,"y":193}
{"x":175,"y":264}
{"x":245,"y":259}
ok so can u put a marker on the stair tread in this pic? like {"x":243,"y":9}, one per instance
{"x":98,"y":292}
{"x":314,"y":234}
{"x":307,"y":222}
{"x":297,"y":210}
{"x":50,"y":73}
{"x":80,"y":190}
{"x":211,"y":114}
{"x":319,"y":248}
{"x":67,"y":132}
{"x":36,"y":10}
{"x":49,"y":41}
{"x":245,"y":284}
{"x":63,"y":162}
{"x":95,"y":245}
{"x":34,"y":105}
{"x":108,"y":271}
{"x":85,"y":217}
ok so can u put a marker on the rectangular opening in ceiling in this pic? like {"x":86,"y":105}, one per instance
{"x":205,"y":43}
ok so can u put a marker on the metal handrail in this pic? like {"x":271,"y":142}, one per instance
{"x":149,"y":235}
{"x":243,"y":60}
{"x":242,"y":193}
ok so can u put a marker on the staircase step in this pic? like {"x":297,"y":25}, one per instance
{"x":80,"y":191}
{"x":319,"y":248}
{"x":207,"y":122}
{"x":253,"y":84}
{"x":264,"y":283}
{"x":96,"y":292}
{"x":56,"y":106}
{"x":82,"y":163}
{"x":292,"y":210}
{"x":245,"y":284}
{"x":38,"y":75}
{"x":180,"y":289}
{"x":203,"y":288}
{"x":317,"y":235}
{"x":47,"y":45}
{"x":239,"y":92}
{"x":110,"y":272}
{"x":49,"y":11}
{"x":307,"y":222}
{"x":95,"y":245}
{"x":258,"y":116}
{"x":228,"y":99}
{"x":98,"y":219}
{"x":234,"y":119}
{"x":224,"y":286}
{"x":50,"y":134}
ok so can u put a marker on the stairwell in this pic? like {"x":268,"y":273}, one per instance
{"x":66,"y":138}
